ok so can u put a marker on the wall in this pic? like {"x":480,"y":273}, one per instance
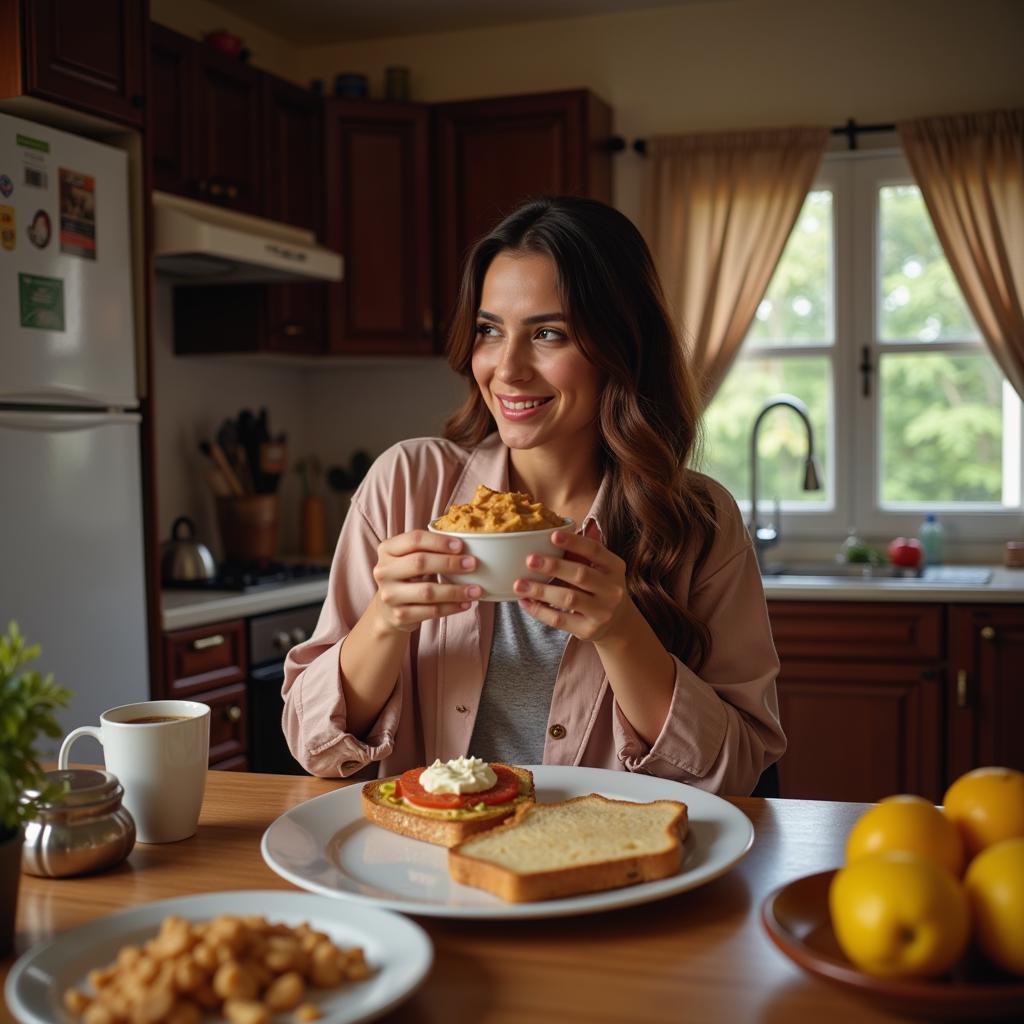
{"x":700,"y":67}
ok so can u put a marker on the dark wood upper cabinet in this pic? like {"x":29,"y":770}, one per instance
{"x":227,"y":148}
{"x":169,"y":125}
{"x":293,"y":138}
{"x":89,"y":56}
{"x":986,"y":687}
{"x":378,"y":218}
{"x":494,"y":154}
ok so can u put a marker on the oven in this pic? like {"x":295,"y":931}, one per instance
{"x":271,"y":636}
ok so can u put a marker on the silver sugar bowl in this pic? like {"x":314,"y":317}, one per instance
{"x":86,"y":829}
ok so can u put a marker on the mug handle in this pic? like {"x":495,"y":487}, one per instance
{"x":65,"y":748}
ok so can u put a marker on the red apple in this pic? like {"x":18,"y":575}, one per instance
{"x":906,"y":552}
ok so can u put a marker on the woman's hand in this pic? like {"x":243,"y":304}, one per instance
{"x":407,"y":592}
{"x":588,"y":596}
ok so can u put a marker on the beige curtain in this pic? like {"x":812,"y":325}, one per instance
{"x":970,"y":169}
{"x":719,"y":210}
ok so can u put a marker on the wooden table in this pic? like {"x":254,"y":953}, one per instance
{"x":699,"y":956}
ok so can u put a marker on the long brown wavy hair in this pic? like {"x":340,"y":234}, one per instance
{"x":658,"y":510}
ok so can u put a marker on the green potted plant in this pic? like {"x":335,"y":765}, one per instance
{"x":27,"y":704}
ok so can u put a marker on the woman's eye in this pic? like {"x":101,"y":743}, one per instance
{"x":550,"y":334}
{"x":485,"y":330}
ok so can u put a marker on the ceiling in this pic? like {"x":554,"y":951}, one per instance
{"x":320,"y":22}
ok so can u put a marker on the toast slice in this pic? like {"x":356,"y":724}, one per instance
{"x":443,"y":828}
{"x":586,"y":844}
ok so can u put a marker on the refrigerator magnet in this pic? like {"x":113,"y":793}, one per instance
{"x":8,"y":234}
{"x":6,"y":185}
{"x":41,"y":302}
{"x":39,"y":230}
{"x":77,"y":214}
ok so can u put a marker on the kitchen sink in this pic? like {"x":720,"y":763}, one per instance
{"x":952,"y":575}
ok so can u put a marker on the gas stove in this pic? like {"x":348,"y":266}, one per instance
{"x":245,"y":577}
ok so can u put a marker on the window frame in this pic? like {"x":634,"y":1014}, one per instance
{"x":854,"y":471}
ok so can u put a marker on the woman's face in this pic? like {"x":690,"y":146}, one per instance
{"x":538,"y":385}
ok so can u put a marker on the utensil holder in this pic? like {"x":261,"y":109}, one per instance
{"x":248,"y":527}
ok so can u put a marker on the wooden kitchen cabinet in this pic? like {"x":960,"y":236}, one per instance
{"x":293,"y":136}
{"x":985,"y":690}
{"x":169,"y":124}
{"x":208,"y":664}
{"x":493,"y":154}
{"x":378,"y":218}
{"x":861,"y":699}
{"x":88,"y":56}
{"x":206,"y":122}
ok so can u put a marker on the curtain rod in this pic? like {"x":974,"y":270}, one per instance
{"x":851,"y":130}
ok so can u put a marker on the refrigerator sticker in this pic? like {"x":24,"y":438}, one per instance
{"x":39,"y":230}
{"x":27,"y":142}
{"x":41,"y":301}
{"x":36,"y":176}
{"x":8,"y":235}
{"x":77,"y":214}
{"x":6,"y":186}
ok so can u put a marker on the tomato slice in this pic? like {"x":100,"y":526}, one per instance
{"x":504,"y":791}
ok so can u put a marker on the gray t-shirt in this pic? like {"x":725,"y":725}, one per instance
{"x":516,"y":698}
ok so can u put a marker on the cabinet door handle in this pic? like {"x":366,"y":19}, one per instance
{"x":234,"y":713}
{"x":961,"y":688}
{"x":988,"y":633}
{"x":208,"y":641}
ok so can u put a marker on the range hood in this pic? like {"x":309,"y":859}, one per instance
{"x":196,"y":243}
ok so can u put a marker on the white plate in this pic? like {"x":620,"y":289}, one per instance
{"x":327,"y":846}
{"x":397,"y":950}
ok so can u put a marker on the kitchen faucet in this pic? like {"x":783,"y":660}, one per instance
{"x":766,"y":536}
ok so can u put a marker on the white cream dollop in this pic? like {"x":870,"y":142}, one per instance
{"x":462,"y":775}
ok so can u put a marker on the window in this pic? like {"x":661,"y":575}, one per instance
{"x":864,"y":322}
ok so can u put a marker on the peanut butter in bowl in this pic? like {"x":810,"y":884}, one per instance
{"x":501,"y":529}
{"x":499,"y":512}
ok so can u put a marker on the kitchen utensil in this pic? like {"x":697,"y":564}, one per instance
{"x":214,"y":450}
{"x":87,"y":829}
{"x":184,"y":558}
{"x":796,"y":917}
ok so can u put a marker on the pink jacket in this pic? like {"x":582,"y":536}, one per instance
{"x":723,"y":727}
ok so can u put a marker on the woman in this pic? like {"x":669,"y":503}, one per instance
{"x":649,"y":650}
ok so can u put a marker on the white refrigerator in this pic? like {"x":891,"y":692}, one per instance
{"x":72,"y":569}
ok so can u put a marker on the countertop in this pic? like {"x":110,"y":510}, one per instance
{"x":702,"y":955}
{"x":186,"y":609}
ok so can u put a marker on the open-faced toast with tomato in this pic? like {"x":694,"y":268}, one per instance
{"x":447,"y":803}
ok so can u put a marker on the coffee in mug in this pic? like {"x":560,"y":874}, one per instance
{"x":160,"y":752}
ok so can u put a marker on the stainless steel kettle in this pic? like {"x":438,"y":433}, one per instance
{"x":184,"y":559}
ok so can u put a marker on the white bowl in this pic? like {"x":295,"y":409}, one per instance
{"x":501,"y":558}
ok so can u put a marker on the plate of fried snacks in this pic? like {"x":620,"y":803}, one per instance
{"x":256,"y":957}
{"x":580,"y":841}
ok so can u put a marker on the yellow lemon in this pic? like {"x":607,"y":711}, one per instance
{"x":899,"y":915}
{"x":911,"y":824}
{"x":986,"y":805}
{"x":995,"y":888}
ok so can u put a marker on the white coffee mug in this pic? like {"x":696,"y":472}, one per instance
{"x":161,"y":764}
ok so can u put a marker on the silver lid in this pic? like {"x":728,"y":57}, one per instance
{"x":85,"y":787}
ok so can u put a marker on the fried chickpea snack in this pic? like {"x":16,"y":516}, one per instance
{"x":244,"y":968}
{"x":498,"y":512}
